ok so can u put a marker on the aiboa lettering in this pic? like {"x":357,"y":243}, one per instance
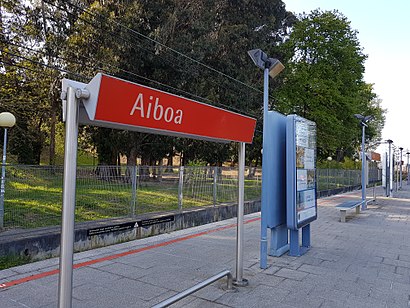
{"x":153,"y":109}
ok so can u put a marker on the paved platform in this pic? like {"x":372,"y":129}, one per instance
{"x":364,"y":262}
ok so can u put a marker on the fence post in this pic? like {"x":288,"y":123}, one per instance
{"x":214,"y":184}
{"x":327,"y":178}
{"x":134,"y":190}
{"x":352,"y":178}
{"x":180,"y":187}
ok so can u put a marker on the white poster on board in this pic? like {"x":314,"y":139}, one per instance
{"x":309,"y":162}
{"x":301,"y":179}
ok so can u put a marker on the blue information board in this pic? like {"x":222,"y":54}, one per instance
{"x":301,"y":172}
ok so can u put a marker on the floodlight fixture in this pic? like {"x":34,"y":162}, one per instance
{"x":275,"y":67}
{"x":358,"y":116}
{"x":258,"y":57}
{"x":262,"y":61}
{"x":363,"y":119}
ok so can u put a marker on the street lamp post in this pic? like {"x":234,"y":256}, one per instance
{"x":7,"y":120}
{"x":329,"y":159}
{"x":401,"y":171}
{"x":408,"y":167}
{"x":271,"y":67}
{"x":363,"y":121}
{"x":396,"y":162}
{"x":389,"y":184}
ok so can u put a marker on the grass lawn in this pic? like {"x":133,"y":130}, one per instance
{"x":33,"y":197}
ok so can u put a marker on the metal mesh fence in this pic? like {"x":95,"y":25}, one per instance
{"x":33,"y":194}
{"x":328,"y":179}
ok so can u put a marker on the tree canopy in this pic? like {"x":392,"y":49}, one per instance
{"x":197,"y":49}
{"x":324,"y":81}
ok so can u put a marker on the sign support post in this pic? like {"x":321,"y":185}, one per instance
{"x":239,"y":280}
{"x":65,"y":286}
{"x":67,"y":227}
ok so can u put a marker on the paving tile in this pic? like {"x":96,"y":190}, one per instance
{"x":345,"y":267}
{"x":259,"y":296}
{"x":291,"y":274}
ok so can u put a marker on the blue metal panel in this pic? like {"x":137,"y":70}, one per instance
{"x":291,"y":172}
{"x":274,"y":171}
{"x":273,"y":208}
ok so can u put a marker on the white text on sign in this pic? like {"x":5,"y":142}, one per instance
{"x":155,"y":110}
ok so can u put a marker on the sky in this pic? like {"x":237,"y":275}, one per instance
{"x":384,"y":34}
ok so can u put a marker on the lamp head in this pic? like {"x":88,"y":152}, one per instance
{"x":363,"y":118}
{"x":275,"y":67}
{"x":262,"y":61}
{"x":7,"y":120}
{"x":258,"y":57}
{"x":358,"y":116}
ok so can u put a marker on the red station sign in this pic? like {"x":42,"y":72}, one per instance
{"x":121,"y":104}
{"x":111,"y":102}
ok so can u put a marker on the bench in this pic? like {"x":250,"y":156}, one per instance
{"x":348,"y":205}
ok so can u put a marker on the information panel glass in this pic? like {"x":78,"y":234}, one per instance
{"x":305,"y":170}
{"x":301,"y":171}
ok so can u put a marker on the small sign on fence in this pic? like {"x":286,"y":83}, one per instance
{"x":112,"y":228}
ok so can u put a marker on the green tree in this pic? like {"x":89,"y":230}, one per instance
{"x":31,"y":38}
{"x":323,"y":80}
{"x":20,"y":73}
{"x":142,"y":42}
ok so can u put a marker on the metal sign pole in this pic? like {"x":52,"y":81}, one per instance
{"x":239,"y":280}
{"x":67,"y":226}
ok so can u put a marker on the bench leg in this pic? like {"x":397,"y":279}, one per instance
{"x":343,"y":215}
{"x":358,"y":209}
